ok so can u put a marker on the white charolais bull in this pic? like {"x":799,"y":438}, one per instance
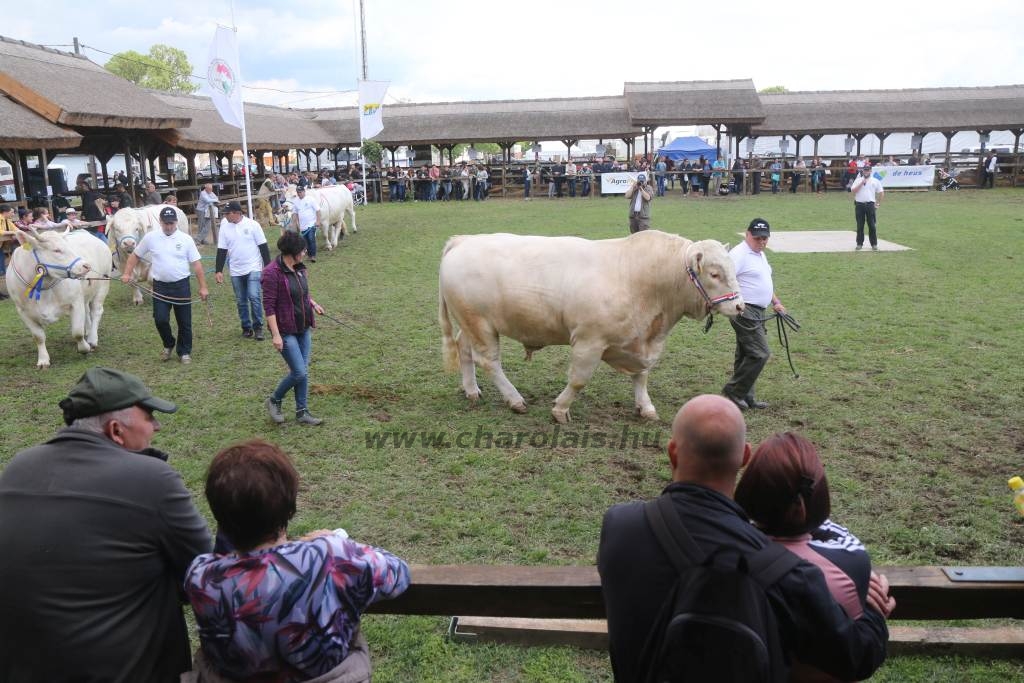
{"x":54,"y":273}
{"x":126,"y":228}
{"x":614,"y":300}
{"x":335,"y":203}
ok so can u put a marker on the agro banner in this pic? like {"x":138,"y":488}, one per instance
{"x":617,"y":183}
{"x":905,"y":176}
{"x":371,"y":103}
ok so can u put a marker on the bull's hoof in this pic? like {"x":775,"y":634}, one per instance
{"x":84,"y":347}
{"x":519,"y":407}
{"x":355,"y":229}
{"x":473,"y":396}
{"x":43,"y":365}
{"x":648,"y":413}
{"x":561,"y":416}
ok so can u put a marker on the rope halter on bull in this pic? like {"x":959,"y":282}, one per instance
{"x":35,"y":285}
{"x":710,"y":301}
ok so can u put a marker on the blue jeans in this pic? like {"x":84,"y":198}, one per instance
{"x":296,"y":354}
{"x":586,"y":187}
{"x":249,"y":295}
{"x":182,"y":314}
{"x":661,"y":185}
{"x":526,"y":189}
{"x":432,"y":195}
{"x":309,"y":234}
{"x":572,"y":187}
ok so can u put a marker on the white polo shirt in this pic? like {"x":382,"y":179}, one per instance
{"x":868,"y":190}
{"x":242,"y":241}
{"x":169,"y":256}
{"x":306,"y":208}
{"x":754,"y":275}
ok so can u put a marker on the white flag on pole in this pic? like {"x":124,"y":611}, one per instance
{"x":224,"y":78}
{"x":371,"y":104}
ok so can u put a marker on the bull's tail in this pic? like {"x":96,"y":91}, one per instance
{"x":351,"y":211}
{"x":449,"y":345}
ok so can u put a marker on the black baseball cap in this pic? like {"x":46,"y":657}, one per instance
{"x":168,"y":215}
{"x":103,"y":390}
{"x":759,"y":228}
{"x":233,"y":206}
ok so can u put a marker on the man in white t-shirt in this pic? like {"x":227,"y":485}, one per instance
{"x":171,"y":253}
{"x":867,"y":196}
{"x":754,"y":276}
{"x":306,"y":214}
{"x":242,"y":243}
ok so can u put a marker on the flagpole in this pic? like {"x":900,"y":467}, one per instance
{"x":245,"y":146}
{"x":362,"y":44}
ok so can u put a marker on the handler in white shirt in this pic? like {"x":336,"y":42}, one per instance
{"x":242,"y":240}
{"x":867,"y":196}
{"x":306,"y":214}
{"x":170,"y":253}
{"x":754,"y":276}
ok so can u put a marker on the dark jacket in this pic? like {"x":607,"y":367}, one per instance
{"x":279,"y":286}
{"x":636,"y":577}
{"x":96,"y":541}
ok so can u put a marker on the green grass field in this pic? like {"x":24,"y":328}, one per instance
{"x":910,"y":384}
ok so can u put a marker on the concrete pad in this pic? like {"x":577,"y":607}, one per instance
{"x":806,"y":242}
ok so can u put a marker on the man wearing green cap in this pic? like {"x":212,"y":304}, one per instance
{"x":97,"y":531}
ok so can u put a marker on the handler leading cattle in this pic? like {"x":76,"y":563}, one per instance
{"x":613,"y":300}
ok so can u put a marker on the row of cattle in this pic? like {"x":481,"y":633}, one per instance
{"x":612,"y":300}
{"x":54,"y":273}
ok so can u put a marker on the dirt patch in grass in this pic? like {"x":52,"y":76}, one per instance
{"x":366,"y":393}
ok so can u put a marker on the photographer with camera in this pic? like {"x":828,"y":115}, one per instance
{"x":639,"y":195}
{"x":867,"y":196}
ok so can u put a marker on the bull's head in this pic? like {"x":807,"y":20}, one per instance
{"x":53,"y":254}
{"x":713,"y":274}
{"x":284,"y":215}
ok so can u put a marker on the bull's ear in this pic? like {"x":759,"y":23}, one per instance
{"x":698,"y":262}
{"x":27,"y":238}
{"x":725,"y":245}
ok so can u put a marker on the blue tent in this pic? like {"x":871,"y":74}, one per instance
{"x":688,"y":148}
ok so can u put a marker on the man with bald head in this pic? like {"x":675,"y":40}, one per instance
{"x":707,"y":449}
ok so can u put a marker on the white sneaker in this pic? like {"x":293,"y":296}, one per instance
{"x":186,"y":359}
{"x":166,"y":354}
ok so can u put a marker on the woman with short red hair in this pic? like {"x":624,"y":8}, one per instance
{"x":274,"y":609}
{"x":785,"y":492}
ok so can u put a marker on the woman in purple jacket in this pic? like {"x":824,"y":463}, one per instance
{"x":289,"y":312}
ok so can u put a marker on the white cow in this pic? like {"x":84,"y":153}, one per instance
{"x":613,"y":300}
{"x":335,"y":202}
{"x":126,"y":228}
{"x":54,"y":273}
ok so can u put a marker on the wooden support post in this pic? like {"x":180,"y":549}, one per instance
{"x":949,"y":141}
{"x":43,"y":163}
{"x":1016,"y":155}
{"x":20,"y":191}
{"x":881,"y":142}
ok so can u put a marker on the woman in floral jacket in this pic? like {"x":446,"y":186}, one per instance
{"x":276,"y":610}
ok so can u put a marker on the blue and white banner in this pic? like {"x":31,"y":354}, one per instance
{"x":618,"y":182}
{"x":905,"y":176}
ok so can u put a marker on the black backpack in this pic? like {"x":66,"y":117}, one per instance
{"x":717,"y":624}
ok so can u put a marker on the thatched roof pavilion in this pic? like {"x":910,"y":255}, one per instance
{"x":502,"y":121}
{"x":889,"y":111}
{"x":71,"y":90}
{"x":732,"y":103}
{"x":266,"y":127}
{"x":24,"y":129}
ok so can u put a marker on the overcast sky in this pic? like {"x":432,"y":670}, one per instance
{"x":453,"y":50}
